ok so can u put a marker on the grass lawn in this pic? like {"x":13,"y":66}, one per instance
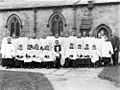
{"x":12,"y":80}
{"x":111,"y":73}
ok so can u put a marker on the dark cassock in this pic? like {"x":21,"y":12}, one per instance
{"x":58,"y":54}
{"x":115,"y":43}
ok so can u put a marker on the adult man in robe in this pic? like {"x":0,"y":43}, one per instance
{"x":8,"y":54}
{"x":3,"y":46}
{"x":107,"y":51}
{"x":115,"y":43}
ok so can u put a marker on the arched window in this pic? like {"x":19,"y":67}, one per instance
{"x":107,"y":31}
{"x":57,"y":23}
{"x":14,"y":25}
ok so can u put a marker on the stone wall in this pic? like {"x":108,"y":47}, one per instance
{"x":26,"y":18}
{"x":102,"y":14}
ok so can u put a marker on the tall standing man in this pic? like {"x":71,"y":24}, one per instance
{"x":115,"y":43}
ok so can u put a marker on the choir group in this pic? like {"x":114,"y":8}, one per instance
{"x":56,"y":51}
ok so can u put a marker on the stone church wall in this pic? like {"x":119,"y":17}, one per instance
{"x":102,"y":14}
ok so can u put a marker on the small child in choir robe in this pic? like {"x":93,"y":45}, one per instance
{"x":79,"y":59}
{"x":9,"y":54}
{"x":87,"y":55}
{"x":29,"y":54}
{"x":36,"y":59}
{"x":58,"y":54}
{"x":20,"y":56}
{"x":70,"y":56}
{"x":48,"y":57}
{"x":79,"y":51}
{"x":95,"y":56}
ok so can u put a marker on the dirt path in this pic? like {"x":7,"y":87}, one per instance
{"x":73,"y":79}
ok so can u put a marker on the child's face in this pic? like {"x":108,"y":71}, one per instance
{"x":47,"y":48}
{"x":9,"y":40}
{"x":36,"y":47}
{"x":87,"y":46}
{"x":20,"y":47}
{"x":56,"y":35}
{"x":29,"y":47}
{"x":57,"y":42}
{"x":71,"y":45}
{"x":94,"y":47}
{"x":79,"y":47}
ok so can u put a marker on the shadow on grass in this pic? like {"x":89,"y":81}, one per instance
{"x":12,"y":80}
{"x":112,"y":74}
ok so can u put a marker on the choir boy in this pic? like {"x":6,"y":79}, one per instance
{"x":44,"y":41}
{"x":36,"y":58}
{"x":20,"y":56}
{"x":87,"y":55}
{"x":95,"y":56}
{"x":29,"y":55}
{"x":70,"y":56}
{"x":48,"y":57}
{"x":79,"y":60}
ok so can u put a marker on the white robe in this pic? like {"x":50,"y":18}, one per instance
{"x":15,"y":43}
{"x":98,"y":43}
{"x":31,"y":54}
{"x":33,"y":42}
{"x":9,"y":51}
{"x":20,"y":53}
{"x":50,"y":54}
{"x":79,"y":41}
{"x":79,"y":53}
{"x":23,"y":41}
{"x":44,"y":42}
{"x":72,"y":39}
{"x":70,"y":52}
{"x":86,"y":53}
{"x":95,"y":54}
{"x":3,"y":46}
{"x":90,"y":41}
{"x":37,"y":57}
{"x":107,"y":49}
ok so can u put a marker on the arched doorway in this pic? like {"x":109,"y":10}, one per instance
{"x":56,"y":23}
{"x":14,"y":25}
{"x":104,"y":28}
